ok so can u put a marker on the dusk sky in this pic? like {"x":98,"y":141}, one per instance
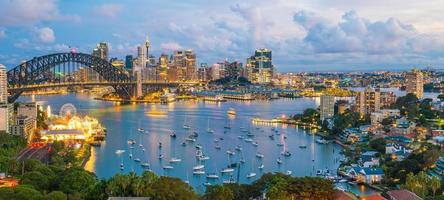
{"x":314,"y":35}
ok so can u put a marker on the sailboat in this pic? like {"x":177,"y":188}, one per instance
{"x":185,"y":125}
{"x":227,"y":170}
{"x":198,"y":167}
{"x":227,"y":126}
{"x":175,"y":160}
{"x":261,"y":166}
{"x":209,"y":130}
{"x":251,"y":174}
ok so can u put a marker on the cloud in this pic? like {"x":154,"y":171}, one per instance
{"x":353,"y":34}
{"x":46,"y":35}
{"x":108,"y":10}
{"x":2,"y":33}
{"x":170,"y":46}
{"x":25,"y":12}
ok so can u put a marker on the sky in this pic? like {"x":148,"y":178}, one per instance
{"x":304,"y":35}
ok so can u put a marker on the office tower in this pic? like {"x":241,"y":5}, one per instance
{"x":100,"y":51}
{"x":415,"y":83}
{"x":163,"y":67}
{"x":217,"y":71}
{"x":203,"y":73}
{"x":185,"y":64}
{"x":259,"y":67}
{"x":3,"y":85}
{"x":129,"y":62}
{"x":327,"y":107}
{"x":368,"y":101}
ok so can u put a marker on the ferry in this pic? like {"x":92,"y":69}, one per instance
{"x":198,"y":167}
{"x":251,"y":175}
{"x":227,"y":170}
{"x":231,"y":111}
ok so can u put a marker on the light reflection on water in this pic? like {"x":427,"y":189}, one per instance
{"x":122,"y":122}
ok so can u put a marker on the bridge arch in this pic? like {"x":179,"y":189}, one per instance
{"x":41,"y":69}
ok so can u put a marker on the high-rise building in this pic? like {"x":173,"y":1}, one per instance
{"x":259,"y":67}
{"x":327,"y":107}
{"x":163,"y":67}
{"x":129,"y":62}
{"x":185,"y":64}
{"x":415,"y":83}
{"x":203,"y":72}
{"x":100,"y":51}
{"x":6,"y":111}
{"x":233,"y":70}
{"x":3,"y":85}
{"x":368,"y":101}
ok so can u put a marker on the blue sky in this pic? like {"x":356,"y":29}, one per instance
{"x":305,"y":35}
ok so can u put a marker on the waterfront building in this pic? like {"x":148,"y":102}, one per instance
{"x":368,"y":101}
{"x":203,"y":73}
{"x":414,"y":83}
{"x":217,"y":71}
{"x":6,"y":119}
{"x":327,"y":107}
{"x":3,"y":85}
{"x":24,"y":126}
{"x":163,"y":67}
{"x":259,"y":67}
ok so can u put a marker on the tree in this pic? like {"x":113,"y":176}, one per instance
{"x":378,"y":145}
{"x":435,"y":184}
{"x":35,"y":179}
{"x":218,"y":192}
{"x":172,"y":188}
{"x":77,"y":180}
{"x":26,"y":192}
{"x":56,"y":195}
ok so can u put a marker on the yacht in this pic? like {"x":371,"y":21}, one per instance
{"x":120,"y":151}
{"x":121,"y":168}
{"x":280,"y":144}
{"x":289,"y":172}
{"x":248,"y":140}
{"x":229,"y":181}
{"x":230,"y":152}
{"x":255,"y":144}
{"x":198,"y":167}
{"x":240,"y":137}
{"x":238,"y":148}
{"x":251,"y":175}
{"x":137,"y":160}
{"x":173,"y":134}
{"x":322,"y":141}
{"x":261,"y":166}
{"x":286,"y":154}
{"x":130,"y":155}
{"x":302,"y":146}
{"x":212,"y":176}
{"x":198,"y":146}
{"x":186,"y":126}
{"x":160,"y":156}
{"x":258,"y":155}
{"x":168,"y":167}
{"x":227,"y":170}
{"x":174,"y":160}
{"x":279,"y":160}
{"x":140,"y":129}
{"x":203,"y":158}
{"x":131,"y":142}
{"x":217,"y":147}
{"x":199,"y":172}
{"x":145,"y":165}
{"x":190,"y":139}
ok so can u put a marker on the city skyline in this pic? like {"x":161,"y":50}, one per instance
{"x":303,"y":35}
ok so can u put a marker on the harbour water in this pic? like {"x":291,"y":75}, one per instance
{"x":123,"y":122}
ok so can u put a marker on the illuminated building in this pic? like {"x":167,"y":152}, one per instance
{"x":3,"y":85}
{"x":327,"y":107}
{"x":117,"y":63}
{"x":203,"y":73}
{"x":6,"y":111}
{"x":100,"y":51}
{"x":163,"y":67}
{"x":23,"y":126}
{"x":368,"y":101}
{"x":129,"y":62}
{"x":259,"y":67}
{"x":233,"y":70}
{"x":28,"y":110}
{"x":415,"y":83}
{"x":185,"y":65}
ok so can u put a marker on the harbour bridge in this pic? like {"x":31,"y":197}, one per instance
{"x":61,"y":70}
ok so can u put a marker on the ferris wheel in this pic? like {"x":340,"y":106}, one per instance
{"x":67,"y":110}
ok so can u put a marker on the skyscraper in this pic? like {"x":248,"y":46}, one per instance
{"x":163,"y":67}
{"x":327,"y":107}
{"x":260,"y":68}
{"x":415,"y":83}
{"x":129,"y":62}
{"x":100,"y":51}
{"x":3,"y":85}
{"x":368,"y":101}
{"x":233,"y":70}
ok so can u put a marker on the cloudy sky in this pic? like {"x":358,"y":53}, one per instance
{"x":315,"y":35}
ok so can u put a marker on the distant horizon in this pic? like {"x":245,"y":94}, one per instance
{"x":325,"y":35}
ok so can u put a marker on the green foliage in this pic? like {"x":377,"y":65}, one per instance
{"x":172,"y":188}
{"x":77,"y":180}
{"x":378,"y":145}
{"x":309,"y":115}
{"x":56,"y":195}
{"x":419,"y":183}
{"x":36,"y":179}
{"x":218,"y":192}
{"x":348,"y":119}
{"x":9,"y":146}
{"x":21,"y":192}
